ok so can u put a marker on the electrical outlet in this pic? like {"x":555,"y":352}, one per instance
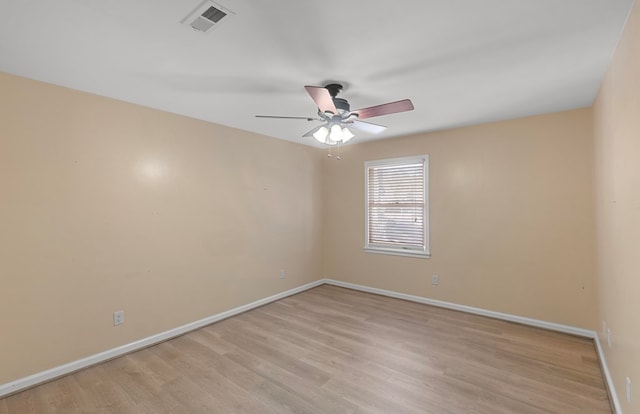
{"x":628,"y":390}
{"x":435,"y":280}
{"x":609,"y":337}
{"x":118,"y":318}
{"x":283,"y":273}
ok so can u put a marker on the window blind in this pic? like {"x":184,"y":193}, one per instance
{"x":396,"y":205}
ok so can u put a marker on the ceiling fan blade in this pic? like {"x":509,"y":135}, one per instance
{"x":367,"y":127}
{"x":384,"y":109}
{"x":288,"y":117}
{"x":313,"y":131}
{"x":322,"y":98}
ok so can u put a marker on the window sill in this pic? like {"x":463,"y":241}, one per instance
{"x":397,"y":252}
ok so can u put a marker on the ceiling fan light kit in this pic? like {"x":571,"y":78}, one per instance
{"x":332,"y":134}
{"x":337,"y":117}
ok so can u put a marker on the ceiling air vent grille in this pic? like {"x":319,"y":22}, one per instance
{"x":207,"y":16}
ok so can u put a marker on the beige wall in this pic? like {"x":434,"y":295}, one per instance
{"x":512,"y":218}
{"x":617,"y":137}
{"x":106,"y":205}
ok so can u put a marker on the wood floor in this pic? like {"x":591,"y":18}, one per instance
{"x":334,"y":350}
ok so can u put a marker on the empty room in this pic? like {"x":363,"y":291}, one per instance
{"x":226,"y":206}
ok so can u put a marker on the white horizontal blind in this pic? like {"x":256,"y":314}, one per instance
{"x":396,"y":194}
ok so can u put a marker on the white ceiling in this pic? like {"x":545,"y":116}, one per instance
{"x":461,"y":62}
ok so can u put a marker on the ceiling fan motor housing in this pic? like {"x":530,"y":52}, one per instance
{"x":341,"y":105}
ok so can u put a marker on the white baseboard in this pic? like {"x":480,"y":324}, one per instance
{"x":50,"y":374}
{"x":607,"y":377}
{"x":468,"y":309}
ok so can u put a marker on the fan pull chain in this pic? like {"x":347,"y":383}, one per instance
{"x":329,"y":155}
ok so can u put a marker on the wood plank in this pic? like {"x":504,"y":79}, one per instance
{"x":335,"y":350}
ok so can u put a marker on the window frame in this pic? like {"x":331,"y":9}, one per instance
{"x":383,"y":248}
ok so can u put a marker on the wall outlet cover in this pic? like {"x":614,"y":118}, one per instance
{"x":118,"y":318}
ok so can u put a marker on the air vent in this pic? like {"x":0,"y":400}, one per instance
{"x":207,"y":16}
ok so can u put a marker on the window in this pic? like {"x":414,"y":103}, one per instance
{"x":397,"y":206}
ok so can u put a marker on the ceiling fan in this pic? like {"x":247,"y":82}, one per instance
{"x":337,"y":117}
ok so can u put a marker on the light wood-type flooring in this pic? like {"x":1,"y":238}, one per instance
{"x":335,"y":350}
